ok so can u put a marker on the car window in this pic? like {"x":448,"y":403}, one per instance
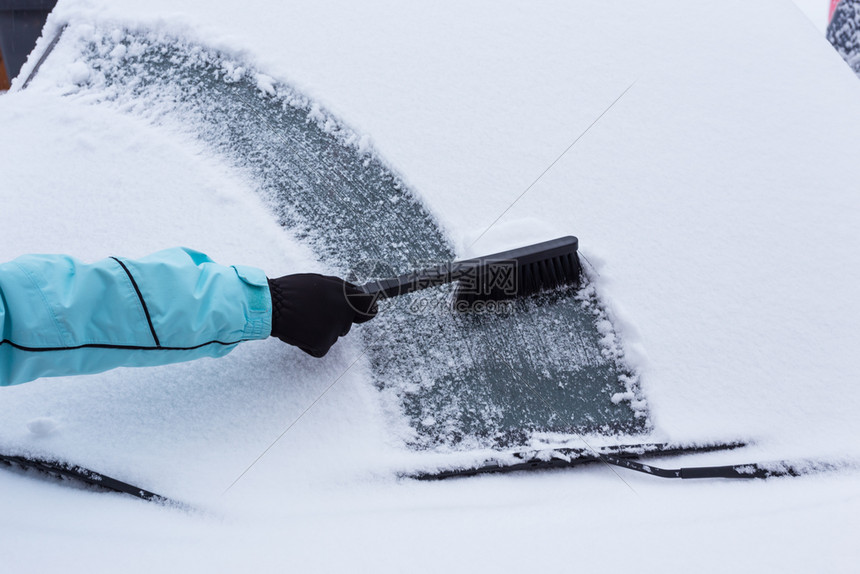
{"x":540,"y":370}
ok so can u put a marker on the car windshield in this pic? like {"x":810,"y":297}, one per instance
{"x":548,"y":368}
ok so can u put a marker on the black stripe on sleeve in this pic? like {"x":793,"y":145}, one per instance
{"x":119,"y":347}
{"x":142,"y":302}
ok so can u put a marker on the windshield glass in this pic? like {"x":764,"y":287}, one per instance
{"x":547,"y":368}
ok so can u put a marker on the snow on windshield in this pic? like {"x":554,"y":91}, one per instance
{"x":548,"y":368}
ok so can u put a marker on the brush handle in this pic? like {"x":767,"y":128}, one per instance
{"x":417,"y":280}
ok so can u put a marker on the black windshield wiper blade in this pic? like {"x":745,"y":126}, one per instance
{"x":67,"y":470}
{"x":569,"y":457}
{"x":750,"y":470}
{"x":625,"y":456}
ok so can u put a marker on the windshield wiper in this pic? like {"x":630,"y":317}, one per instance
{"x":625,"y":456}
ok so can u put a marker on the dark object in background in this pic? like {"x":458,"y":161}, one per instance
{"x":21,"y":23}
{"x":4,"y":79}
{"x":842,"y":32}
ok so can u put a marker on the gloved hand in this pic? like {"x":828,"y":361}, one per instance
{"x":311,"y":311}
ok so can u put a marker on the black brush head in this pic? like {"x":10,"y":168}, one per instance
{"x":520,"y":272}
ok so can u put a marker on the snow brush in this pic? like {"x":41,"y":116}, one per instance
{"x":505,"y":275}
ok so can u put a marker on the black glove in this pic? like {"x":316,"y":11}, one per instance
{"x":311,"y":311}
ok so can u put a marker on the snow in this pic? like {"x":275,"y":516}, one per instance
{"x":816,"y":10}
{"x":713,"y":201}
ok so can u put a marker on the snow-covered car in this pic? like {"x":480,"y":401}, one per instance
{"x":714,"y":308}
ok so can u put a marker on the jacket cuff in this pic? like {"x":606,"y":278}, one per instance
{"x":258,"y":309}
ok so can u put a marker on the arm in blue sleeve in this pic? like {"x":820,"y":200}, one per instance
{"x":60,"y":316}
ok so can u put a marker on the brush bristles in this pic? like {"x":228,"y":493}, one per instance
{"x":548,"y":274}
{"x":528,"y":278}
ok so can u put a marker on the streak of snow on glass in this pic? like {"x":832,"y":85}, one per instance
{"x":546,"y":369}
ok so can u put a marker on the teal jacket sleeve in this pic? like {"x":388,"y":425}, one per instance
{"x":60,"y":316}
